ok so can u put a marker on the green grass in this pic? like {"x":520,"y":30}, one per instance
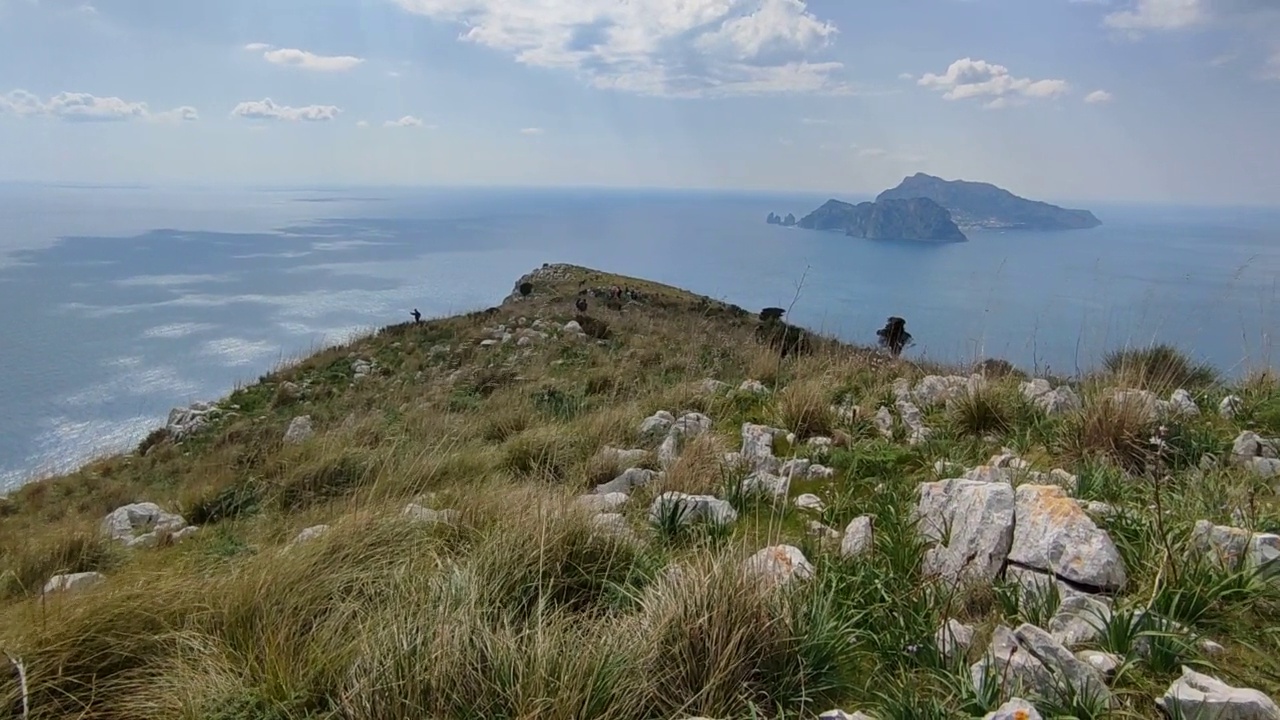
{"x":525,"y":609}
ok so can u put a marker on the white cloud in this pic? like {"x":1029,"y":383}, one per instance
{"x":266,"y":109}
{"x":304,"y":59}
{"x":531,"y":131}
{"x":1098,"y":96}
{"x":407,"y":121}
{"x":692,"y":48}
{"x":1159,"y":15}
{"x":871,"y":152}
{"x":362,"y":123}
{"x":83,"y":107}
{"x":969,"y":78}
{"x":815,"y":121}
{"x":1146,"y":15}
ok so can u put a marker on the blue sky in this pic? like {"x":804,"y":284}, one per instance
{"x":1127,"y":100}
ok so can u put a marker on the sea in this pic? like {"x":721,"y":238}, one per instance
{"x":117,"y":304}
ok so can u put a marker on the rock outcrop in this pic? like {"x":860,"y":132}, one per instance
{"x":913,"y":219}
{"x":983,"y":205}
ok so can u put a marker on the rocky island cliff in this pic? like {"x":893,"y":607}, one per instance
{"x":914,"y":219}
{"x":983,"y":205}
{"x":654,"y":504}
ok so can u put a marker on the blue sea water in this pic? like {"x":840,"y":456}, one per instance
{"x":121,"y":303}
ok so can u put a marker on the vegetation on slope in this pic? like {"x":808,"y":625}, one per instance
{"x":521,"y":608}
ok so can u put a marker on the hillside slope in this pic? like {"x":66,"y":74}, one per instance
{"x":474,"y":517}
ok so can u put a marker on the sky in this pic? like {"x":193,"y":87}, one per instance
{"x":1165,"y":101}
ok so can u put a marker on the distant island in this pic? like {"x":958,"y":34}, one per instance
{"x":912,"y":219}
{"x":983,"y":205}
{"x":924,"y":207}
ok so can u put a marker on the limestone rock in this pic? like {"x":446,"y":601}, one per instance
{"x":1030,"y":660}
{"x":913,"y":418}
{"x":1015,"y":709}
{"x":933,"y":390}
{"x":141,"y":524}
{"x":1145,"y":402}
{"x":977,"y":520}
{"x":614,"y":525}
{"x":1231,"y":544}
{"x":299,"y":431}
{"x":622,"y":458}
{"x":714,"y":387}
{"x":858,"y":538}
{"x":573,"y":327}
{"x":627,"y":481}
{"x":310,"y":534}
{"x":72,"y":582}
{"x":425,"y":515}
{"x":809,"y":501}
{"x":1059,"y":402}
{"x":1053,"y":534}
{"x":1103,"y":663}
{"x":954,"y":639}
{"x":1196,"y":696}
{"x":686,"y":509}
{"x":603,"y":502}
{"x":1079,"y":620}
{"x":780,"y":564}
{"x":655,"y":427}
{"x":1181,"y":403}
{"x":764,"y":483}
{"x":753,"y":387}
{"x":842,"y":715}
{"x":883,"y":422}
{"x":1035,"y":388}
{"x":1230,"y":406}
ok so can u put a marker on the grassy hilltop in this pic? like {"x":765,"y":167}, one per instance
{"x":502,"y":594}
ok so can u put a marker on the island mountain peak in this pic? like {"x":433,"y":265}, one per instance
{"x":983,"y":205}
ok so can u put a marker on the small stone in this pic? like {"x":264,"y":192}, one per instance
{"x":1230,"y":406}
{"x":627,"y":481}
{"x":604,"y":502}
{"x":73,"y":582}
{"x":418,"y":513}
{"x":780,"y":564}
{"x":1104,"y":663}
{"x":572,"y":327}
{"x":822,"y":532}
{"x":821,"y":472}
{"x":1015,"y":709}
{"x":310,"y":534}
{"x":954,"y":639}
{"x":1197,"y":696}
{"x":1181,"y":403}
{"x":299,"y":431}
{"x":685,"y":509}
{"x":753,"y":387}
{"x":809,"y":501}
{"x":859,"y":537}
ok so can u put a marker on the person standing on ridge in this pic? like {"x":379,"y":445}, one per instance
{"x":417,"y":316}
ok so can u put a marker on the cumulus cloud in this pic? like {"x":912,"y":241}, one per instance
{"x":362,"y":123}
{"x":968,"y":78}
{"x":266,"y":109}
{"x":693,"y":48}
{"x":304,"y":59}
{"x":531,"y":131}
{"x":406,"y":122}
{"x":84,"y":107}
{"x":1098,"y":96}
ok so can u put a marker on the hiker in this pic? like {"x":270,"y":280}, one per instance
{"x":417,"y":316}
{"x":894,"y":335}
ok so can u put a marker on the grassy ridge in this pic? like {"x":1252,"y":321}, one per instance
{"x":523,"y":608}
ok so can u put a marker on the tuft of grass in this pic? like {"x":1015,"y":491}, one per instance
{"x":1109,"y":430}
{"x":981,"y":411}
{"x":1158,"y":367}
{"x":803,"y":408}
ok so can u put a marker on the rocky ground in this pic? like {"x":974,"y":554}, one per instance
{"x":640,"y":511}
